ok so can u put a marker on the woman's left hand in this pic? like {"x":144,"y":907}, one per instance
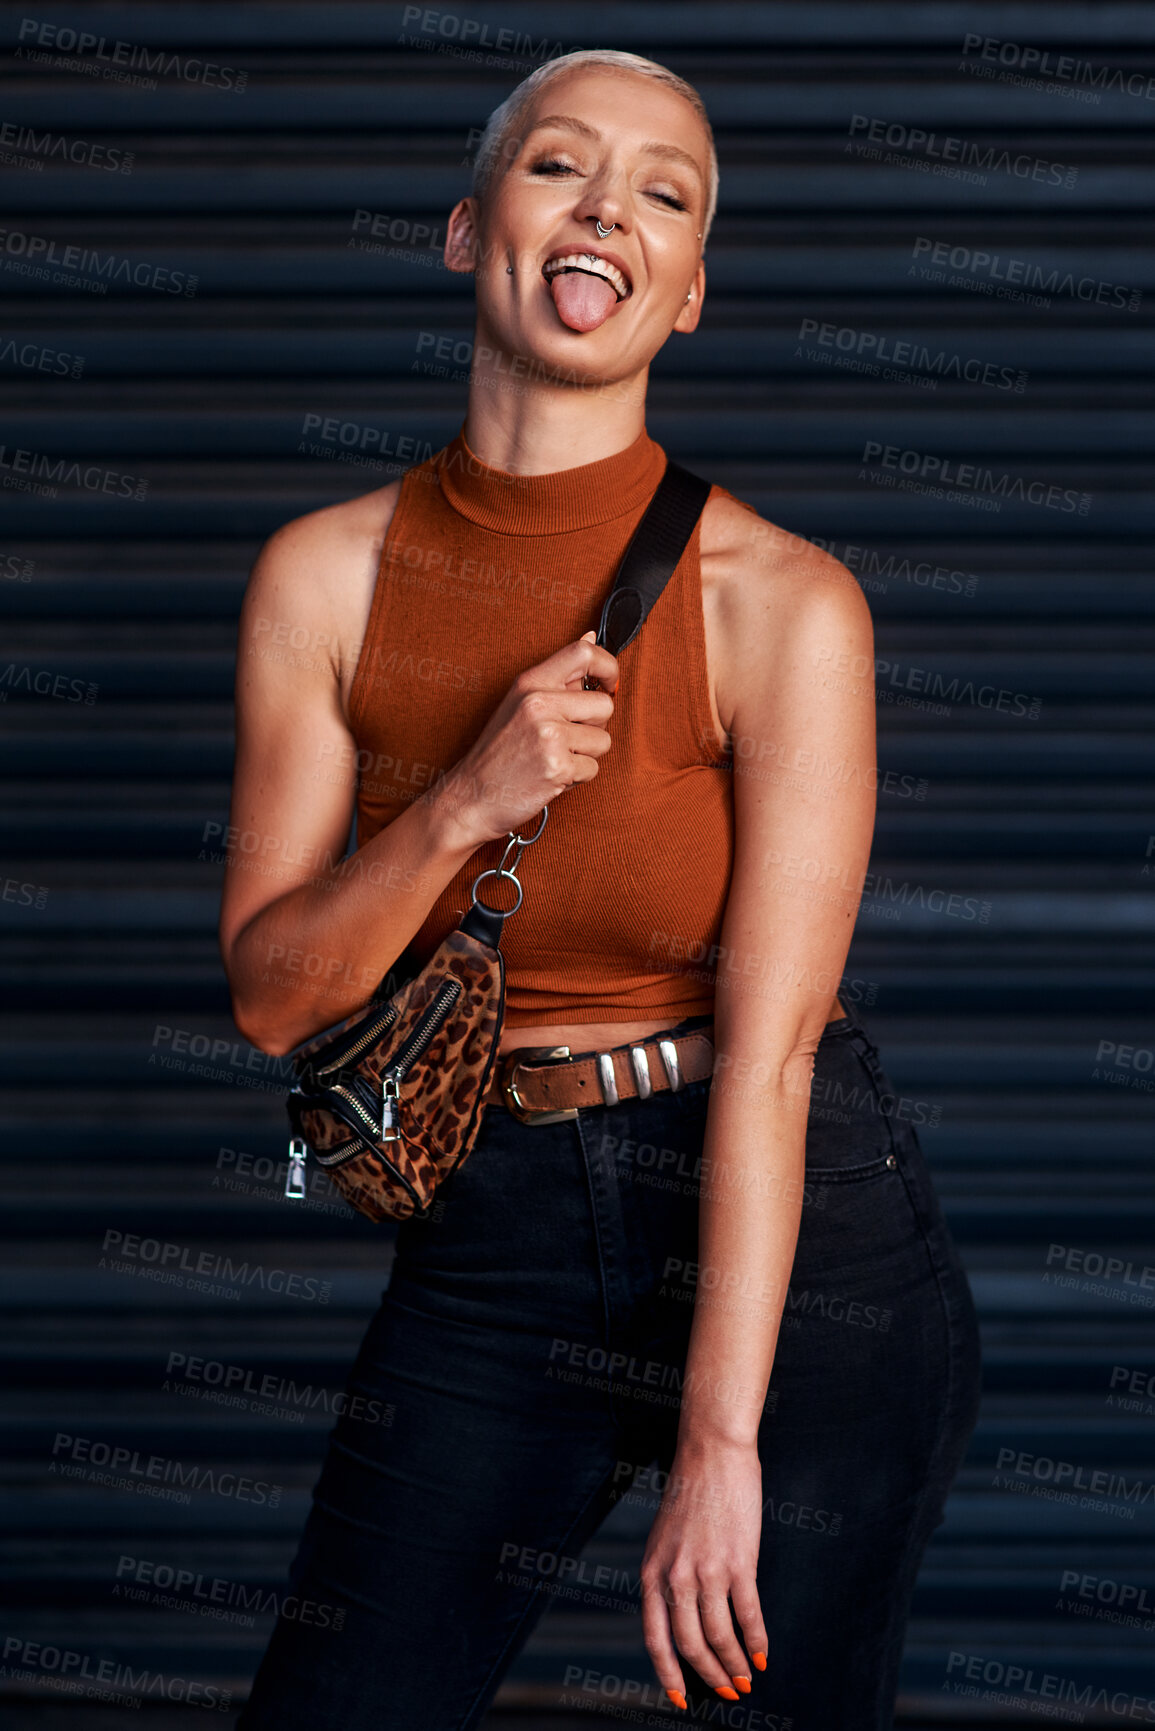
{"x":702,"y":1554}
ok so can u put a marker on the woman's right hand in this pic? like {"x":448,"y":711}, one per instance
{"x":546,"y":734}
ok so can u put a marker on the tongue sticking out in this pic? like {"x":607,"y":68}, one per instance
{"x":583,"y":301}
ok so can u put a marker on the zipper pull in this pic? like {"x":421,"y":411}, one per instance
{"x":390,"y":1132}
{"x":295,"y":1176}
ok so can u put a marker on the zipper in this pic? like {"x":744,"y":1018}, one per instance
{"x":366,"y":1038}
{"x":388,"y":1130}
{"x":447,"y":996}
{"x":358,"y":1106}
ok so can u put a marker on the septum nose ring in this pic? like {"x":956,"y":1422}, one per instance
{"x":604,"y":232}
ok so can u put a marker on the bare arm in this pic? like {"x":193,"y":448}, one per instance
{"x":802,"y":842}
{"x":306,"y":936}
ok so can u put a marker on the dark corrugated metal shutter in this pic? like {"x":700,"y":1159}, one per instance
{"x":186,"y":322}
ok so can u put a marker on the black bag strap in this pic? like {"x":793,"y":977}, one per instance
{"x":649,"y":561}
{"x":652,"y":555}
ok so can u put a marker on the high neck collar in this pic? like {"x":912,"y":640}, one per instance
{"x":549,"y":504}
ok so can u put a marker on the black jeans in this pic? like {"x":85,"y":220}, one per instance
{"x":522,"y":1373}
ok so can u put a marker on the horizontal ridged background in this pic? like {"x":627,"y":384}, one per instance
{"x":1009,"y":927}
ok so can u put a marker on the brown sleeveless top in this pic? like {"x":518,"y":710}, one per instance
{"x":484,"y":573}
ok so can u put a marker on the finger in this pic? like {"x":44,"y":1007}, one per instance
{"x":574,"y":704}
{"x":586,"y":739}
{"x":574,"y":660}
{"x":690,"y":1640}
{"x":748,"y":1610}
{"x":718,"y":1628}
{"x":660,"y":1646}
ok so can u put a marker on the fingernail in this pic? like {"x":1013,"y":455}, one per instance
{"x":759,"y":1660}
{"x":741,"y":1683}
{"x":676,"y":1697}
{"x":726,"y":1692}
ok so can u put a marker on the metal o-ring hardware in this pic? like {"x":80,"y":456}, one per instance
{"x":520,"y":842}
{"x":497,"y":872}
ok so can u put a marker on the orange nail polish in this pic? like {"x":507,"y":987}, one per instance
{"x":676,"y":1697}
{"x":726,"y":1692}
{"x":759,"y":1660}
{"x":742,"y":1684}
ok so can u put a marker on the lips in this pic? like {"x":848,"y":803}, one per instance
{"x":586,"y":286}
{"x":593,"y":262}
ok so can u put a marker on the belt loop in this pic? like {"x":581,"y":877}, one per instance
{"x":670,"y":1059}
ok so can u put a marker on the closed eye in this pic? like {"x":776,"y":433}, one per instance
{"x":551,"y":165}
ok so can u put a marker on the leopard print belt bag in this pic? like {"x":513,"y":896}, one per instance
{"x":391,"y":1101}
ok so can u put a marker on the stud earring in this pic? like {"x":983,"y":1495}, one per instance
{"x":509,"y":270}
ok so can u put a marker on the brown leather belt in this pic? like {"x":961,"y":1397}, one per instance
{"x":539,"y":1092}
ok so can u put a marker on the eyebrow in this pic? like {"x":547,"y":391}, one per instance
{"x":670,"y":152}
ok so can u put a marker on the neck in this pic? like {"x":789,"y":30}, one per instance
{"x":531,"y":417}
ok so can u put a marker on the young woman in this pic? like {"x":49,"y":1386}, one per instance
{"x":737,"y":1287}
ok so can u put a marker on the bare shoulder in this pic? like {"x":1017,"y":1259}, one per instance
{"x":769,"y":596}
{"x":312,"y":584}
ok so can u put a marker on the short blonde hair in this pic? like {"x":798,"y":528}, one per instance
{"x":505,"y":116}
